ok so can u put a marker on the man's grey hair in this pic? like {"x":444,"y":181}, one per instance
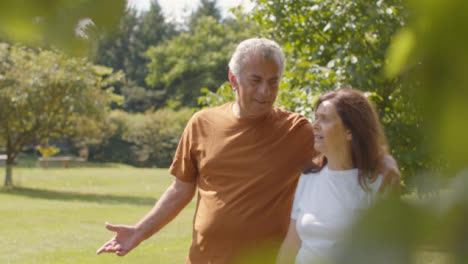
{"x":269,"y":49}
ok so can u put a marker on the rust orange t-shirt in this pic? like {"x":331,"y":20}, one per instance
{"x":246,"y":172}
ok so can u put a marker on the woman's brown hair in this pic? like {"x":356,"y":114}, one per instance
{"x":368,"y":142}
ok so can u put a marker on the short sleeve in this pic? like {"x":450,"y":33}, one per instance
{"x":298,"y":196}
{"x":184,"y":165}
{"x":305,"y":147}
{"x":309,"y":138}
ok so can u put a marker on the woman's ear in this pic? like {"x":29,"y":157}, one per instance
{"x":232,"y":80}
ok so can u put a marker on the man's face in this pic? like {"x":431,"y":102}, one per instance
{"x":257,"y":86}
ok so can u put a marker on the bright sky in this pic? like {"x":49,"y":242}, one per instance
{"x":178,"y":9}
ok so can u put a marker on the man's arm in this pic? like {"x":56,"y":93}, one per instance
{"x":174,"y":199}
{"x":388,"y":167}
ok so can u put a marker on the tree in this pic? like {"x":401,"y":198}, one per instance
{"x":140,"y":99}
{"x":205,"y":8}
{"x":124,"y":49}
{"x":47,"y":94}
{"x":197,"y":59}
{"x":335,"y":43}
{"x":331,"y":44}
{"x":152,"y":31}
{"x":113,"y":48}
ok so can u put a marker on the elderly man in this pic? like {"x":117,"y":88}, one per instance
{"x":245,"y":158}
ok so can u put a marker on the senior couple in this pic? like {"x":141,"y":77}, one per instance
{"x":269,"y":177}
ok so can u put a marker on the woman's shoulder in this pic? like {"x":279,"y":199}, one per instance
{"x":309,"y":176}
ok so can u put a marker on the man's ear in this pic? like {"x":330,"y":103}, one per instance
{"x":232,"y":80}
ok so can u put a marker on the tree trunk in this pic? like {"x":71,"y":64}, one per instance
{"x":11,"y":156}
{"x":8,"y":176}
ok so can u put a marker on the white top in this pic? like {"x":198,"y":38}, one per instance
{"x":325,"y":203}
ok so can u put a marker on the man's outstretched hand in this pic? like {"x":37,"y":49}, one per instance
{"x":126,"y":238}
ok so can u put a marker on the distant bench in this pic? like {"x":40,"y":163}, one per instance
{"x":65,"y":160}
{"x":4,"y":157}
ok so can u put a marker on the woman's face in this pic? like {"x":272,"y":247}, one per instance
{"x":331,"y":136}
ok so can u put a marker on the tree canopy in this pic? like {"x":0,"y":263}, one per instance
{"x":124,"y":47}
{"x":197,"y":59}
{"x":47,"y":94}
{"x":334,"y":44}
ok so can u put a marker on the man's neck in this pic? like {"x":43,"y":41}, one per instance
{"x":236,"y":110}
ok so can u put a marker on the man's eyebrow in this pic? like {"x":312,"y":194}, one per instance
{"x":255,"y":76}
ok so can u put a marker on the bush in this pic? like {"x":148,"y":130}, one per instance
{"x":155,"y":136}
{"x":114,"y":147}
{"x":147,"y":140}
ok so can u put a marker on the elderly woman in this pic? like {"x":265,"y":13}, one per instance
{"x":350,"y":140}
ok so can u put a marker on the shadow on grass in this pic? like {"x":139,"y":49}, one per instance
{"x":75,"y":196}
{"x":72,"y":164}
{"x":27,"y":160}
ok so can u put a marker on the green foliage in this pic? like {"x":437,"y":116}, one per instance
{"x":435,"y":55}
{"x":299,"y":95}
{"x":56,"y":23}
{"x":148,"y":139}
{"x":114,"y":48}
{"x":151,"y":31}
{"x":398,"y":53}
{"x":222,"y":95}
{"x":331,"y":44}
{"x":47,"y":151}
{"x":205,"y":8}
{"x":47,"y":94}
{"x":156,"y":135}
{"x":347,"y":37}
{"x":197,"y":59}
{"x":114,"y":147}
{"x":140,"y":99}
{"x":123,"y":49}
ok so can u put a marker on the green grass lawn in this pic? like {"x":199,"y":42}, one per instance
{"x":57,"y":215}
